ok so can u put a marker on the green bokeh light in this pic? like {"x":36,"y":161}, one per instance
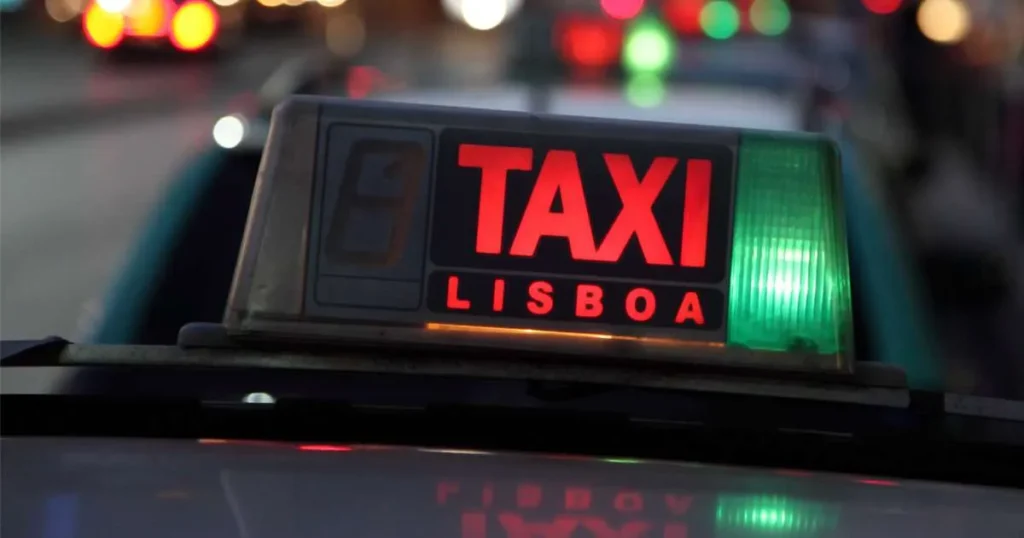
{"x":645,"y":90}
{"x":770,"y":17}
{"x":720,"y":19}
{"x":648,"y":47}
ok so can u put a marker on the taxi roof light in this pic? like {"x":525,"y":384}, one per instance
{"x":790,"y":282}
{"x":377,"y":223}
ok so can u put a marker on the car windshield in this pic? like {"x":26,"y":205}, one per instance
{"x":108,"y":106}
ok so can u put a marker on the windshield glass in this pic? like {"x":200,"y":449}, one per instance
{"x":118,"y":110}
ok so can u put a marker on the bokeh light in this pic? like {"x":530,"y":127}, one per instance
{"x":114,"y":6}
{"x":345,"y":34}
{"x":622,"y":9}
{"x":146,"y":18}
{"x":649,"y":47}
{"x":193,"y":26}
{"x":944,"y":21}
{"x":484,"y":14}
{"x":590,"y":43}
{"x":720,"y":19}
{"x":229,"y":131}
{"x":645,"y":90}
{"x":63,"y":10}
{"x":770,"y":17}
{"x":103,"y":28}
{"x":684,"y":15}
{"x":882,"y":7}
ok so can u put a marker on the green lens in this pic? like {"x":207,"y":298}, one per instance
{"x":790,"y":277}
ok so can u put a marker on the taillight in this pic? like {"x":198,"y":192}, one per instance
{"x":589,"y":42}
{"x":194,"y":26}
{"x":103,"y":28}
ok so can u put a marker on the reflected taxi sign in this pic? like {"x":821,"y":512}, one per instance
{"x":406,"y":224}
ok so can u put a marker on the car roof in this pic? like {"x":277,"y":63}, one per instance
{"x":718,"y":106}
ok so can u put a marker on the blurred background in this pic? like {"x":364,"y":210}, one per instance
{"x":102,"y":101}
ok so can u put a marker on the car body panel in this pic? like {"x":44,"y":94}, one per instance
{"x":114,"y":488}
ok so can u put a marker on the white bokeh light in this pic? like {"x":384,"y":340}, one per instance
{"x":229,"y":131}
{"x":114,"y":6}
{"x":484,"y":14}
{"x":944,"y":21}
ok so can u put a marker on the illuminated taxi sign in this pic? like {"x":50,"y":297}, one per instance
{"x":420,"y":225}
{"x":641,"y":242}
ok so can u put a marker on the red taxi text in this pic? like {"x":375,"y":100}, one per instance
{"x":531,"y":510}
{"x":559,"y":179}
{"x":586,"y":301}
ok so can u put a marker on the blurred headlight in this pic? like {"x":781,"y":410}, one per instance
{"x":229,"y":131}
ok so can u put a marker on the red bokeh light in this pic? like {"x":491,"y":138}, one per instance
{"x":590,"y":43}
{"x":622,"y":9}
{"x":684,"y":15}
{"x":882,"y":7}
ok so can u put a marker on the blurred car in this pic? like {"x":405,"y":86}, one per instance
{"x":182,"y":26}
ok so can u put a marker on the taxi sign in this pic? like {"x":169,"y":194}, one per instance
{"x":408,"y":224}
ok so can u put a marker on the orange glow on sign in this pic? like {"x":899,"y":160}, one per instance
{"x":512,"y":331}
{"x":193,"y":26}
{"x":102,"y":28}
